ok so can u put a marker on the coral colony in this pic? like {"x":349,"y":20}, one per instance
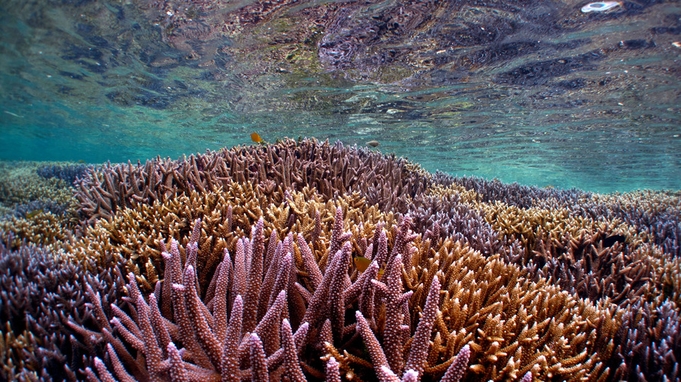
{"x":244,"y":264}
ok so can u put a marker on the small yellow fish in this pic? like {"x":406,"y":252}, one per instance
{"x":255,"y":137}
{"x":33,"y":214}
{"x":361,"y":263}
{"x":373,"y":143}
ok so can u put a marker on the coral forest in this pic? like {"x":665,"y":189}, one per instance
{"x":307,"y":260}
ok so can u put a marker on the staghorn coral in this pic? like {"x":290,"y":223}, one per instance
{"x":508,"y":258}
{"x":20,"y":184}
{"x":650,"y":344}
{"x":36,"y":206}
{"x":534,"y":225}
{"x":484,"y":302}
{"x":134,"y":234}
{"x":35,"y":209}
{"x":511,"y":325}
{"x":40,"y":228}
{"x":596,"y":259}
{"x":39,"y":290}
{"x":656,"y":214}
{"x":15,"y":366}
{"x":330,"y":169}
{"x":68,"y":172}
{"x":619,"y":248}
{"x":489,"y":191}
{"x":447,"y":215}
{"x":577,"y":252}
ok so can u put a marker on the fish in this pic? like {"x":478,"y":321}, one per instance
{"x":373,"y":143}
{"x":362,"y":263}
{"x":34,"y":213}
{"x":611,"y":240}
{"x":12,"y":114}
{"x":255,"y":137}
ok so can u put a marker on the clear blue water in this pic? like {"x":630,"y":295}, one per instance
{"x":534,"y":92}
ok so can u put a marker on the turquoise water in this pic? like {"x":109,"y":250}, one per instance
{"x":531,"y":92}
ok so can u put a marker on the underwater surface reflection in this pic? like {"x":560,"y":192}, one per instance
{"x":540,"y":93}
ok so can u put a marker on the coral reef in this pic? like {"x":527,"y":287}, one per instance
{"x":20,"y":184}
{"x":330,"y":169}
{"x":520,"y":333}
{"x":40,"y":291}
{"x":302,"y":260}
{"x":67,"y":172}
{"x":135,"y":234}
{"x":39,"y":209}
{"x":39,"y":227}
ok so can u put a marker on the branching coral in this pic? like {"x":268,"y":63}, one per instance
{"x":68,"y":172}
{"x":35,"y":209}
{"x":134,"y":234}
{"x":651,"y":346}
{"x":445,"y":214}
{"x":20,"y":183}
{"x":40,"y":289}
{"x":304,"y":261}
{"x":490,"y":302}
{"x":330,"y":169}
{"x":654,"y":214}
{"x":15,"y":366}
{"x":289,"y":311}
{"x":41,"y":228}
{"x":587,"y":250}
{"x":490,"y":191}
{"x":532,"y":226}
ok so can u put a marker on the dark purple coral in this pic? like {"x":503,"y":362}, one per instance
{"x":447,"y":216}
{"x":69,"y":173}
{"x":650,"y":343}
{"x":41,"y":290}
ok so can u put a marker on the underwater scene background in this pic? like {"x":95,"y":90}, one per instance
{"x":220,"y":190}
{"x":535,"y":92}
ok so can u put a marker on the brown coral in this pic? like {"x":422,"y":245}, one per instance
{"x":134,"y":234}
{"x":511,"y":324}
{"x":291,"y":165}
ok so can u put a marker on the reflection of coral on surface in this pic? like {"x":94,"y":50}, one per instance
{"x":240,"y":266}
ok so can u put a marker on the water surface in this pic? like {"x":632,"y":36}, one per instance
{"x":535,"y":92}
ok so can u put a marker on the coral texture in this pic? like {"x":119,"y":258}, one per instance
{"x":545,"y":331}
{"x":302,"y":260}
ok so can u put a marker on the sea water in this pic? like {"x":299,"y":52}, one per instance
{"x":533,"y":92}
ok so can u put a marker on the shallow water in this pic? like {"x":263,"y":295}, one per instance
{"x":523,"y":91}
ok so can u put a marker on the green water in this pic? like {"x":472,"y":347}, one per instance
{"x":530,"y":92}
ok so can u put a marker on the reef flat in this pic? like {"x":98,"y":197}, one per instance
{"x":305,"y":260}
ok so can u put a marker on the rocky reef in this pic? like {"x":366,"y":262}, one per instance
{"x":305,"y":260}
